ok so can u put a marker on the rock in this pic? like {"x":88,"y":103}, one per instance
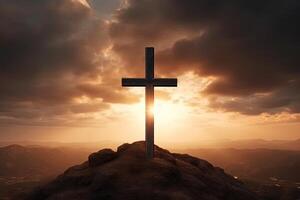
{"x":102,"y":156}
{"x":127,"y":175}
{"x":123,"y":147}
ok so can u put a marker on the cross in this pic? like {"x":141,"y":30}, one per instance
{"x":149,"y":82}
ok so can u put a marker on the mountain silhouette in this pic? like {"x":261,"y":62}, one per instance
{"x":127,"y":174}
{"x":259,"y":164}
{"x":20,"y":161}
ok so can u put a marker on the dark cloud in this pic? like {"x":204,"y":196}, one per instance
{"x":108,"y":93}
{"x":284,"y":99}
{"x":48,"y":50}
{"x":251,"y":47}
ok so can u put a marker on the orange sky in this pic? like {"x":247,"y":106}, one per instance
{"x":66,"y":84}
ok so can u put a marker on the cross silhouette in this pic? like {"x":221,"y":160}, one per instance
{"x":149,"y":82}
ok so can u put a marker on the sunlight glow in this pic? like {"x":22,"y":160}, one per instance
{"x":151,"y":110}
{"x":166,"y":112}
{"x":83,"y":2}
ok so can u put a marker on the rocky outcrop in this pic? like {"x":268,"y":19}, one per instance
{"x":101,"y":157}
{"x":127,"y":174}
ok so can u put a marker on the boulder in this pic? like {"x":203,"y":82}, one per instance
{"x":100,"y":157}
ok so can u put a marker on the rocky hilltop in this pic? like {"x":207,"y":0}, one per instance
{"x":127,"y":174}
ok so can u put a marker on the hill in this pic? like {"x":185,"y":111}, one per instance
{"x":127,"y":174}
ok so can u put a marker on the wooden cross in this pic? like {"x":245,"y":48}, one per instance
{"x":149,"y":82}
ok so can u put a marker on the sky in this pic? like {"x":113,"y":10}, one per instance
{"x":61,"y":64}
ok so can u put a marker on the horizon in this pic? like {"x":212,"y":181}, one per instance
{"x":209,"y":144}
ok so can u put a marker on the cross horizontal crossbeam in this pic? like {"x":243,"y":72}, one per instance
{"x":142,"y":82}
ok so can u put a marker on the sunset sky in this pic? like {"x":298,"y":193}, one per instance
{"x":61,"y":64}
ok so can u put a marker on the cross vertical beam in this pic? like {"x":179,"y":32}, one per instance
{"x":149,"y":98}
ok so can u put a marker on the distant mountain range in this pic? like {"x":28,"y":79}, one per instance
{"x":252,"y":144}
{"x":260,"y":164}
{"x":20,"y":161}
{"x":53,"y":144}
{"x":226,"y":143}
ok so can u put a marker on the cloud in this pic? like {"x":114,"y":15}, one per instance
{"x":108,"y":93}
{"x":83,"y":2}
{"x":250,"y":47}
{"x":282,"y":100}
{"x":49,"y":49}
{"x":53,"y":66}
{"x":104,"y":8}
